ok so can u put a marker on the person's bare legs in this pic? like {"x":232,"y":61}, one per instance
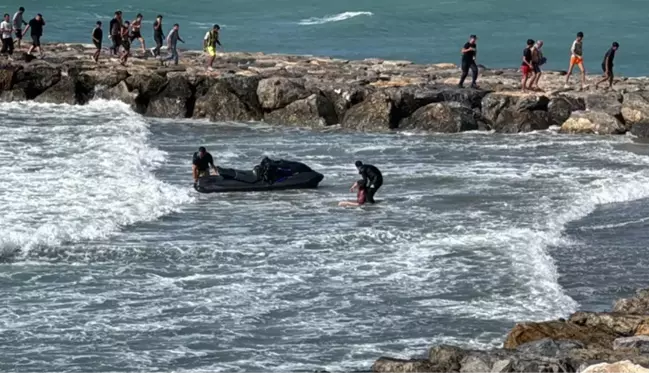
{"x":572,"y":66}
{"x":583,"y":74}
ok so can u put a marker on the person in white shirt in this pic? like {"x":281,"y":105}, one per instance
{"x":6,"y":31}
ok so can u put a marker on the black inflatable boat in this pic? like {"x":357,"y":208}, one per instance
{"x":269,"y":175}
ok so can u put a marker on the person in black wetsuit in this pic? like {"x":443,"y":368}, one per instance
{"x":201,"y":163}
{"x":468,"y":62}
{"x":372,"y":180}
{"x":607,"y":66}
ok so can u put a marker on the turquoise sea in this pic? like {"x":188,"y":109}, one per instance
{"x":417,"y":30}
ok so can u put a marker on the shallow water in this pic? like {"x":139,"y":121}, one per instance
{"x":113,"y":263}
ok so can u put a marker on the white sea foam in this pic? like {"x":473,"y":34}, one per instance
{"x":71,"y":173}
{"x":333,"y":18}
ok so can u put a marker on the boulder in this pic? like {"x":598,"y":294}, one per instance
{"x":13,"y":95}
{"x":174,"y":101}
{"x":468,"y":97}
{"x":619,"y":323}
{"x":7,"y":78}
{"x":120,"y":92}
{"x":221,"y":103}
{"x":245,"y":87}
{"x":389,"y":365}
{"x":66,"y":91}
{"x":635,"y":108}
{"x":609,"y":103}
{"x":642,"y":330}
{"x":376,"y":112}
{"x":342,"y":96}
{"x":617,"y":367}
{"x":511,"y":112}
{"x":35,"y":79}
{"x":635,"y":305}
{"x":558,"y":330}
{"x":502,"y":366}
{"x":640,"y":342}
{"x":277,"y":92}
{"x":475,"y":364}
{"x":561,"y":107}
{"x":313,"y":111}
{"x":446,"y":357}
{"x":102,"y":79}
{"x":147,"y":84}
{"x":447,"y":117}
{"x":593,"y":122}
{"x":640,"y":130}
{"x":548,"y":347}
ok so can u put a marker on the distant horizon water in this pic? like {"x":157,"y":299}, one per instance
{"x":416,"y":30}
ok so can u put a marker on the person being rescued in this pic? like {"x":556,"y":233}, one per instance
{"x":361,"y":195}
{"x":201,"y":163}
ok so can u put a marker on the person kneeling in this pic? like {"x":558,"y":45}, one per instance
{"x":360,"y":196}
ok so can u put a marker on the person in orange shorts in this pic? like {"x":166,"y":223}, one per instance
{"x":577,"y":59}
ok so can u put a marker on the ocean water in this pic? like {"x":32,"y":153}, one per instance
{"x":417,"y":30}
{"x":109,"y":261}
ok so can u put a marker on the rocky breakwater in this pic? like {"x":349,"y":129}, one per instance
{"x":587,"y":342}
{"x":370,"y":94}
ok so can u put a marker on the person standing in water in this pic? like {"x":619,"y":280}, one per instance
{"x":607,"y":66}
{"x":158,"y":36}
{"x":372,"y":179}
{"x":210,"y":42}
{"x":19,"y":22}
{"x":577,"y":58}
{"x":36,"y":25}
{"x":97,"y":38}
{"x":469,"y":53}
{"x":136,"y":32}
{"x":172,"y":42}
{"x":6,"y":31}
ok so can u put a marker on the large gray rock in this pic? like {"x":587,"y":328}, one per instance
{"x":221,"y":103}
{"x":390,"y":365}
{"x":35,"y":79}
{"x":468,"y":97}
{"x":640,"y":342}
{"x":446,"y":117}
{"x":120,"y":92}
{"x":561,"y":107}
{"x":634,"y":305}
{"x":103,"y":79}
{"x":446,"y":357}
{"x":7,"y":79}
{"x":609,"y":103}
{"x":147,"y":84}
{"x":475,"y":364}
{"x":174,"y":101}
{"x":313,"y":111}
{"x":376,"y":112}
{"x":12,"y":95}
{"x":635,"y":109}
{"x":548,"y":347}
{"x":513,"y":113}
{"x":66,"y":91}
{"x":276,"y":92}
{"x":592,"y":122}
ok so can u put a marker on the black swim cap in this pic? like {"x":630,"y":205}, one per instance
{"x":202,"y":149}
{"x":21,"y":9}
{"x":216,"y":27}
{"x":358,"y":163}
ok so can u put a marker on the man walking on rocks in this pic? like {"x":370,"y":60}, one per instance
{"x":607,"y":66}
{"x":36,"y":25}
{"x":577,"y":58}
{"x":136,"y":25}
{"x":6,"y":30}
{"x":172,"y":41}
{"x":19,"y":22}
{"x":115,"y":32}
{"x":158,"y":36}
{"x":97,"y":37}
{"x":210,"y":41}
{"x":468,"y":62}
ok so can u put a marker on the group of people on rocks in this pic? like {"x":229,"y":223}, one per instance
{"x":533,"y":59}
{"x":11,"y":26}
{"x":121,"y":33}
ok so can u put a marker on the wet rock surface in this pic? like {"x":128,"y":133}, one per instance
{"x":367,"y":95}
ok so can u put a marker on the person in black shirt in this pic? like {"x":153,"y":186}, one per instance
{"x":115,"y":32}
{"x":158,"y":36}
{"x":468,"y":62}
{"x":607,"y":66}
{"x":526,"y":66}
{"x":126,"y":43}
{"x":97,"y":37}
{"x":201,"y":163}
{"x":36,"y":25}
{"x":372,"y":180}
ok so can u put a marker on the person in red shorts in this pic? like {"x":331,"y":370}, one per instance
{"x":361,"y":196}
{"x":526,"y":66}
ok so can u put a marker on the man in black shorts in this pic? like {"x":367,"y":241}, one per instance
{"x":201,"y":162}
{"x":97,"y":37}
{"x":158,"y":36}
{"x":115,"y":32}
{"x":469,"y":62}
{"x":372,"y":180}
{"x":136,"y":25}
{"x":36,"y":26}
{"x":18,"y":25}
{"x":607,"y":66}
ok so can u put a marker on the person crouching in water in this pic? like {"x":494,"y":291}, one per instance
{"x":361,"y":195}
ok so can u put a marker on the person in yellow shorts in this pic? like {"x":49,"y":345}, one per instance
{"x":210,"y":41}
{"x":577,"y":58}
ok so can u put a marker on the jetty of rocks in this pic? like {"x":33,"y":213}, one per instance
{"x":368,"y":95}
